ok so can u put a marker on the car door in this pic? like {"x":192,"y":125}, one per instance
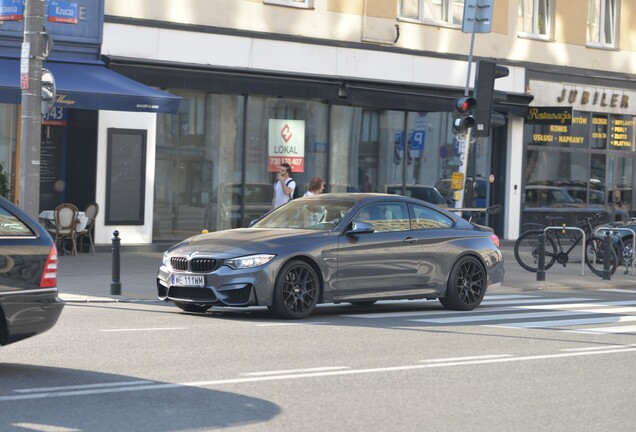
{"x":380,"y":263}
{"x":436,"y":234}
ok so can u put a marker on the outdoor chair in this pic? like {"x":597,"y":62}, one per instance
{"x":90,"y":211}
{"x":65,"y":226}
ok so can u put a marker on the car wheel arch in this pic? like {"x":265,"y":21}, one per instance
{"x":314,"y":265}
{"x":450,"y":300}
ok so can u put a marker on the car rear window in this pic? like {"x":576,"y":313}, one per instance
{"x":10,"y":225}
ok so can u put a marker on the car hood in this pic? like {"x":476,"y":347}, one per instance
{"x":242,"y":241}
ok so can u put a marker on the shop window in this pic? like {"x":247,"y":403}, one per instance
{"x":302,"y":4}
{"x":450,"y":12}
{"x":601,"y":23}
{"x":534,"y":18}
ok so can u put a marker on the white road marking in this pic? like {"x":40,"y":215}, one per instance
{"x":580,"y":305}
{"x":606,"y":330}
{"x":524,"y":315}
{"x":535,"y":301}
{"x":561,"y":323}
{"x":144,"y":329}
{"x":292,"y":371}
{"x":231,"y":381}
{"x":84,"y":386}
{"x":596,"y":348}
{"x":284,"y":324}
{"x":43,"y":427}
{"x":497,"y":317}
{"x":619,"y":290}
{"x":512,"y":305}
{"x":454,"y":359}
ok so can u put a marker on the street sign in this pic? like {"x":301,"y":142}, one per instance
{"x":477,"y":16}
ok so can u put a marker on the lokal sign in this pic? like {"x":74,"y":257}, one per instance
{"x":286,"y":144}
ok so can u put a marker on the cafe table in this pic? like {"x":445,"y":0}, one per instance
{"x":47,"y":218}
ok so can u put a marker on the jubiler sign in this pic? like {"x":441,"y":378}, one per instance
{"x":580,"y":97}
{"x":286,"y":144}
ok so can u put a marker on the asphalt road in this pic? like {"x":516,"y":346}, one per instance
{"x":522,"y":361}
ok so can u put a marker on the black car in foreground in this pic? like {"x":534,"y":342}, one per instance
{"x":29,"y":302}
{"x":331,"y":248}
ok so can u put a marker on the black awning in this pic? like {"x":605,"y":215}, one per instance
{"x":399,"y":97}
{"x":215,"y":80}
{"x":338,"y":90}
{"x":89,"y":86}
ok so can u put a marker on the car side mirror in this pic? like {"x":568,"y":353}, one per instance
{"x":361,"y":228}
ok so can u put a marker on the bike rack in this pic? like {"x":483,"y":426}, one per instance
{"x":566,"y":228}
{"x":609,"y":228}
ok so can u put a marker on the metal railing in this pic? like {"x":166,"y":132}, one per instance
{"x":541,"y":264}
{"x":609,"y":229}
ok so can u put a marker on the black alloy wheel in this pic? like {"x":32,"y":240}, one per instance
{"x":466,"y":285}
{"x":192,"y":307}
{"x":296,"y":291}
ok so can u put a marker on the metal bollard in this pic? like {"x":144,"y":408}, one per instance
{"x":541,"y":269}
{"x":115,"y":285}
{"x":607,"y":256}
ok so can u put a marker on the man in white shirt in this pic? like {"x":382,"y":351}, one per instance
{"x":284,"y":187}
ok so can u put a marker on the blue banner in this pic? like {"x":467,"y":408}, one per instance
{"x":11,"y":10}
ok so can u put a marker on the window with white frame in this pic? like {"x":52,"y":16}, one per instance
{"x":303,"y":4}
{"x":602,"y":16}
{"x":534,"y":18}
{"x":446,"y":11}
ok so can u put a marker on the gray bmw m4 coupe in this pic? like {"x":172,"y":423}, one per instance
{"x":331,"y":248}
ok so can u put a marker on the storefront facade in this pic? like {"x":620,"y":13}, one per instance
{"x":581,"y":160}
{"x":214,"y":166}
{"x":95,"y":114}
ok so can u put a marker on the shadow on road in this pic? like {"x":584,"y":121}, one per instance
{"x":77,"y":400}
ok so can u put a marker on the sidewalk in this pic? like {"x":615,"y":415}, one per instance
{"x":88,"y":277}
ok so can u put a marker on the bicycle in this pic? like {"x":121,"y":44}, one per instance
{"x":623,"y":244}
{"x":527,"y":247}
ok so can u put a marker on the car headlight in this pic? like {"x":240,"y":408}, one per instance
{"x":165,"y":260}
{"x":249,"y":261}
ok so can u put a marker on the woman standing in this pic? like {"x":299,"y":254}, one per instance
{"x":316,"y":186}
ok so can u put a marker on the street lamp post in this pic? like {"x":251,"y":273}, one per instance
{"x":32,"y":58}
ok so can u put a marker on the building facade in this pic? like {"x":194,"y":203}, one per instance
{"x":360,"y":92}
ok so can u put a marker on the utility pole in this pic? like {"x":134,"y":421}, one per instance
{"x":32,"y":58}
{"x":477,"y":19}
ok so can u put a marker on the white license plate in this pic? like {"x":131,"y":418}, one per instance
{"x":188,"y":281}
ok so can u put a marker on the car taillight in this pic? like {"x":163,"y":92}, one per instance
{"x":494,"y":239}
{"x":49,"y":275}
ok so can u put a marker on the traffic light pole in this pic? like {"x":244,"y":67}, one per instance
{"x":464,"y":147}
{"x":32,"y":58}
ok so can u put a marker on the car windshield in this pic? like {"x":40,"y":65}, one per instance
{"x":307,"y":213}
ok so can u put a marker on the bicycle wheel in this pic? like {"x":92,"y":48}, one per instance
{"x":595,"y":255}
{"x":527,"y":250}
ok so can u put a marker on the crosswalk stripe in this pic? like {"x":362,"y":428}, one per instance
{"x":580,"y":305}
{"x":608,"y":330}
{"x":566,"y":322}
{"x":511,"y":305}
{"x":497,"y":317}
{"x":535,"y":301}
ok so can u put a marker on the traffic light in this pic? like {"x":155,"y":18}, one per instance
{"x":462,"y":116}
{"x":485,"y":93}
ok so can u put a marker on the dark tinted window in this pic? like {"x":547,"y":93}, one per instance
{"x":427,"y":218}
{"x":385,"y":217}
